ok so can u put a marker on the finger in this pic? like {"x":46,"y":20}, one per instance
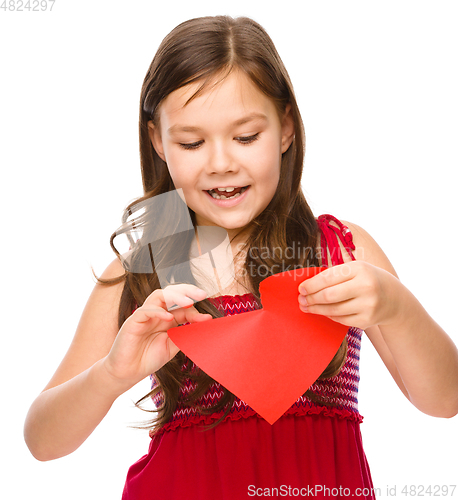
{"x":194,"y":316}
{"x":349,"y":320}
{"x":190,"y":315}
{"x":174,"y":301}
{"x":346,"y":308}
{"x":330,"y":295}
{"x":182,"y":295}
{"x":146,"y":313}
{"x":330,"y":277}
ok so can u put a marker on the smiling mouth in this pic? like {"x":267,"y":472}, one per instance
{"x":227,"y":195}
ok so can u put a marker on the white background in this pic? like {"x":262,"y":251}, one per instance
{"x":376,"y":83}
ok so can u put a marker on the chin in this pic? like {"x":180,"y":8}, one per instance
{"x":237,"y":227}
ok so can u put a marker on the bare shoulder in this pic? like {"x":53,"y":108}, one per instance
{"x":367,"y":249}
{"x":96,"y":330}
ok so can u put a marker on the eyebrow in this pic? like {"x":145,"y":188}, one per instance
{"x":246,"y":119}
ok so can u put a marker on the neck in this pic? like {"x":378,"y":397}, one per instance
{"x":238,"y":237}
{"x":219,"y":272}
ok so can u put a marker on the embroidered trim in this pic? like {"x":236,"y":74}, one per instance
{"x":204,"y":420}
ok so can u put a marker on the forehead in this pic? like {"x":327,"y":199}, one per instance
{"x":226,"y":101}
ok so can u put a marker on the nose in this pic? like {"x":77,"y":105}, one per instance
{"x":220,"y":159}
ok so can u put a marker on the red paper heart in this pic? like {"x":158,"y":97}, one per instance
{"x":268,"y":358}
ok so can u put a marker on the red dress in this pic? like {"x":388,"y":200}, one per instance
{"x":311,"y":451}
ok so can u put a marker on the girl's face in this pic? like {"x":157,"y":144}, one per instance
{"x":230,"y":136}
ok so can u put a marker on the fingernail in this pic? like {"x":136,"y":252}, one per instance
{"x":302,"y":301}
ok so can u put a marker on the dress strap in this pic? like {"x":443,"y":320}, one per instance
{"x":329,"y":234}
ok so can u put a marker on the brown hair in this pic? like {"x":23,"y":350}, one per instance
{"x":201,"y":50}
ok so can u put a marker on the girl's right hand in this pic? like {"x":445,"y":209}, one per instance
{"x":142,"y":345}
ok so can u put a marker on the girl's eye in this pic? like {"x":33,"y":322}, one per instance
{"x":242,"y":140}
{"x":192,"y":145}
{"x":248,"y":139}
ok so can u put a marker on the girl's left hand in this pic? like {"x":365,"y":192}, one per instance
{"x":355,"y":294}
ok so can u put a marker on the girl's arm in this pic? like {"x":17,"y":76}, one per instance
{"x":79,"y":395}
{"x":101,"y":364}
{"x":425,"y":356}
{"x":366,"y":293}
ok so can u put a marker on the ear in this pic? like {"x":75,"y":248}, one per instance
{"x":156,"y":139}
{"x":287,"y":129}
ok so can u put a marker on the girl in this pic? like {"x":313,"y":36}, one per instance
{"x":219,"y":121}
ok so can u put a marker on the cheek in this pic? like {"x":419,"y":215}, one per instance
{"x":267,"y":167}
{"x":273,"y":178}
{"x":178,"y":179}
{"x":269,"y":161}
{"x":181,"y":176}
{"x":273,"y":184}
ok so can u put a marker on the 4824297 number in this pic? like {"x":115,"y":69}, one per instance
{"x":28,"y":6}
{"x":428,"y":491}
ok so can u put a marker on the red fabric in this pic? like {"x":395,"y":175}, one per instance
{"x":311,"y":450}
{"x":224,"y":462}
{"x":329,"y":234}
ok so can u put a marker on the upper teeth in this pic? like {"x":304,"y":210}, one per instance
{"x":228,"y":190}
